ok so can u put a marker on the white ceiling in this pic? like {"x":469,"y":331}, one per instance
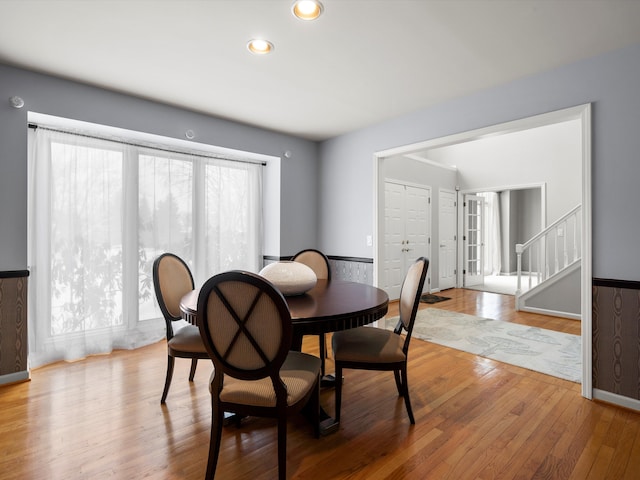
{"x":362,"y":62}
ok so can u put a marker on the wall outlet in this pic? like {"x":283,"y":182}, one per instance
{"x":369,"y":241}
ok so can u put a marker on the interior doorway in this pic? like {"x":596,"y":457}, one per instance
{"x":505,"y":216}
{"x":582,"y":114}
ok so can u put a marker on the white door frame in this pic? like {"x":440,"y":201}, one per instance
{"x":581,"y":112}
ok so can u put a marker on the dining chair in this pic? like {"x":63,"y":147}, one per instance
{"x":319,"y":263}
{"x":245,"y":324}
{"x":371,"y":348}
{"x":171,"y":280}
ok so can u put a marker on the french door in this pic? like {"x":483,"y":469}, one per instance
{"x":473,"y":240}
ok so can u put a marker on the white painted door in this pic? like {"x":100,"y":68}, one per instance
{"x":417,"y":227}
{"x":407,"y":232}
{"x":393,"y":237}
{"x":447,"y":244}
{"x":473,"y":241}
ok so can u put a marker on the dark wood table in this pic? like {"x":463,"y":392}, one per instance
{"x":330,"y":306}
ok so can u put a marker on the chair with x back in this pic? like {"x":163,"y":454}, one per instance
{"x":319,"y":263}
{"x":245,"y":324}
{"x":172,"y":279}
{"x":370,"y":348}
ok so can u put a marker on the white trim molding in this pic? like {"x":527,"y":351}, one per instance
{"x":615,"y":399}
{"x":581,"y":112}
{"x":15,"y":377}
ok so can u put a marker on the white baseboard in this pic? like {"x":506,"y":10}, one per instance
{"x":554,"y":313}
{"x":616,"y":399}
{"x":14,"y":377}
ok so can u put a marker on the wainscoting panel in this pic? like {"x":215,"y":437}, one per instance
{"x":13,"y":326}
{"x":358,"y":270}
{"x":616,"y":337}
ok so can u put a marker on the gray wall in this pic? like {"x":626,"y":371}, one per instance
{"x":508,"y":232}
{"x":53,"y":96}
{"x":611,"y":82}
{"x":520,"y":214}
{"x":562,"y":296}
{"x":528,"y":214}
{"x":524,"y":218}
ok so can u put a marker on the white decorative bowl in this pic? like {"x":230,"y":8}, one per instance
{"x":291,"y":278}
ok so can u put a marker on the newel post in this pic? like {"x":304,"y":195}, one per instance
{"x":519,"y":250}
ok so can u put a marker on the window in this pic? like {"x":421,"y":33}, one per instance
{"x":101,"y":211}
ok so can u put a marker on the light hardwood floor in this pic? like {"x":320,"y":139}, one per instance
{"x":498,"y":307}
{"x":475,"y":419}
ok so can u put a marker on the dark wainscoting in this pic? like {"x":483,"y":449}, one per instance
{"x":616,"y":337}
{"x":13,"y":326}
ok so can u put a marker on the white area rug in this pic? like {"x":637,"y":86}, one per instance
{"x":545,"y":351}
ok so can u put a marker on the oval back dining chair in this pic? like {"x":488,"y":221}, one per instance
{"x":370,"y":348}
{"x":254,"y":373}
{"x":319,"y":263}
{"x":171,"y":280}
{"x":316,"y":261}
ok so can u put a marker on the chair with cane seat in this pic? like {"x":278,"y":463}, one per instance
{"x":246,"y":327}
{"x":171,"y":280}
{"x":370,"y":348}
{"x":319,"y":263}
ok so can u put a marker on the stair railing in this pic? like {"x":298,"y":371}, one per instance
{"x":551,"y":250}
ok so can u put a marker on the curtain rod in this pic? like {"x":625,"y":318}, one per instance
{"x":35,"y":126}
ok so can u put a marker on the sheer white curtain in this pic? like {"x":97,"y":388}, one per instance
{"x":492,"y":237}
{"x":100,"y":212}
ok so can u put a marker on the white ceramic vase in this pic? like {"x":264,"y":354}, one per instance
{"x":291,"y":278}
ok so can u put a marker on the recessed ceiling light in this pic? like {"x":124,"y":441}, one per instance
{"x":258,"y":46}
{"x":307,"y":9}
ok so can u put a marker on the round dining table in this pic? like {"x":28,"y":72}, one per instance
{"x":330,"y":306}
